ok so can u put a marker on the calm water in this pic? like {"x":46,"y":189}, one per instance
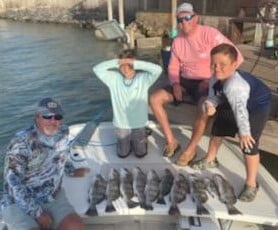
{"x":38,"y":60}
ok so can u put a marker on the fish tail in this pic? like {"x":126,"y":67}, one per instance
{"x":148,"y":206}
{"x":174,"y":210}
{"x":142,"y":205}
{"x":232,"y":210}
{"x":201,"y":210}
{"x":110,"y":208}
{"x":161,"y":200}
{"x":92,"y":211}
{"x":132,"y":204}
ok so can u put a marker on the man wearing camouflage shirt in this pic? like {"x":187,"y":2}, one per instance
{"x":35,"y":162}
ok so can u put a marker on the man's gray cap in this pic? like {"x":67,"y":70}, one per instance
{"x":49,"y":106}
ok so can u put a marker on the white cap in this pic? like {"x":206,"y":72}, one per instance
{"x":185,"y":7}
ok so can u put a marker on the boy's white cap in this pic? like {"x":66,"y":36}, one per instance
{"x":185,"y":7}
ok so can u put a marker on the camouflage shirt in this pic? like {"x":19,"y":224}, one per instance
{"x":34,"y":167}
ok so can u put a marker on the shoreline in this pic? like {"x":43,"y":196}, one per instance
{"x":77,"y":15}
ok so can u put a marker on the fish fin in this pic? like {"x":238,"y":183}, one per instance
{"x":201,"y":210}
{"x":103,"y":198}
{"x":92,"y":211}
{"x":232,"y":210}
{"x":174,"y":210}
{"x":142,"y":205}
{"x":110,"y":208}
{"x":148,"y":207}
{"x":161,"y":200}
{"x":132,"y":204}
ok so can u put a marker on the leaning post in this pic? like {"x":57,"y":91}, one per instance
{"x":109,"y":10}
{"x":173,"y":32}
{"x":121,"y":14}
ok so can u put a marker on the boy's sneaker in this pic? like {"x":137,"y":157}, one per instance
{"x":248,"y":193}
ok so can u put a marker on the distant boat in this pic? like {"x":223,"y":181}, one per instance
{"x":109,"y":30}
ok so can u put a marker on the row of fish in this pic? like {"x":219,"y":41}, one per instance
{"x":150,"y":188}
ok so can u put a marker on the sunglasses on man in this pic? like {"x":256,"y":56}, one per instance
{"x":57,"y":117}
{"x":186,"y":18}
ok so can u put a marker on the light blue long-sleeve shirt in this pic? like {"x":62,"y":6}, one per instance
{"x":129,"y":96}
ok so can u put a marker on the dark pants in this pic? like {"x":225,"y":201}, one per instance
{"x":225,"y":124}
{"x":194,"y":88}
{"x":131,"y":140}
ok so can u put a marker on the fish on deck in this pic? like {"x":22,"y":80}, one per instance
{"x":126,"y":187}
{"x":177,"y":194}
{"x":165,"y":185}
{"x":96,"y":194}
{"x":139,"y":183}
{"x":226,"y":193}
{"x":113,"y":189}
{"x":151,"y":189}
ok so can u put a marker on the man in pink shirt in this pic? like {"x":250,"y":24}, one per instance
{"x":189,"y":73}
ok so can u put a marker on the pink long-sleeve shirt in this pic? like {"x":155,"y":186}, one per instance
{"x":190,"y":55}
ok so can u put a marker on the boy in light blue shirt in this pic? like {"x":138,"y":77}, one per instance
{"x":128,"y":81}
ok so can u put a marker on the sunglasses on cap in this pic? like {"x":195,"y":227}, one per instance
{"x":57,"y":117}
{"x":186,"y":18}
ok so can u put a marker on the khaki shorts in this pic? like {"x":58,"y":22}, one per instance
{"x":17,"y":219}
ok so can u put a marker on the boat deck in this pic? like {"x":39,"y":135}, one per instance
{"x":267,"y":70}
{"x":98,"y":153}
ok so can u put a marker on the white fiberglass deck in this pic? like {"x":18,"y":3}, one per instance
{"x":97,"y":150}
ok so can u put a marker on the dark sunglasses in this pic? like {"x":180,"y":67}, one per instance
{"x":57,"y":117}
{"x":186,"y":18}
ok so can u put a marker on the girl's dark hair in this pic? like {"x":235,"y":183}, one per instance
{"x":129,"y":53}
{"x":226,"y":49}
